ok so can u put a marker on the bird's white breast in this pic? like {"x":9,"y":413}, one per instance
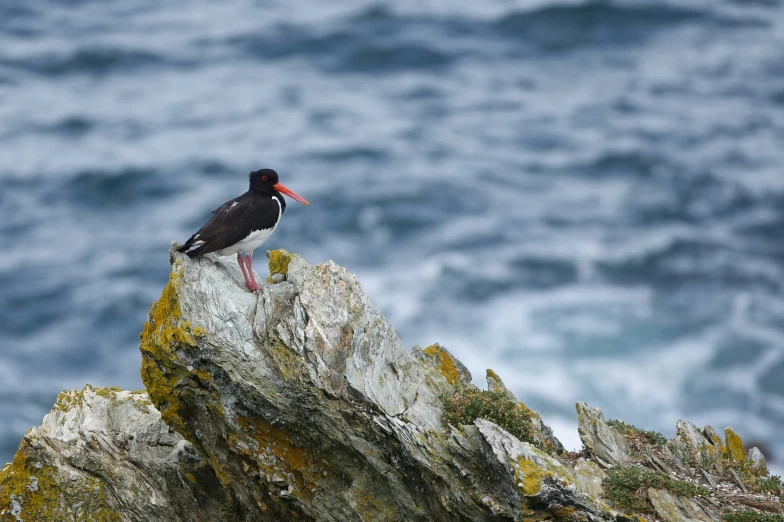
{"x":253,"y":240}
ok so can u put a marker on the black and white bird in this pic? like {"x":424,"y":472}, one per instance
{"x":243,"y":224}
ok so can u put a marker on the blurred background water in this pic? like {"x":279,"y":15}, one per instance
{"x":587,"y":197}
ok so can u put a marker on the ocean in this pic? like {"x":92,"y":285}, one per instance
{"x":585,"y":196}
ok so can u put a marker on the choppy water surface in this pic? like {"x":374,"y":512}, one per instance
{"x":587,"y":197}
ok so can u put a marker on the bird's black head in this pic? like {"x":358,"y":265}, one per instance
{"x":266,"y":181}
{"x":263,"y":180}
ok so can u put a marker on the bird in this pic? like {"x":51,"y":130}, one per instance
{"x":243,"y":224}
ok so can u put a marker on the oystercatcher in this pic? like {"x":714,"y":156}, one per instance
{"x":241,"y":225}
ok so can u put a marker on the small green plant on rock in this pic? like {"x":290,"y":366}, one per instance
{"x":626,"y":487}
{"x":468,"y":404}
{"x":634,"y":433}
{"x":708,"y":460}
{"x":751,"y":516}
{"x":771,"y":484}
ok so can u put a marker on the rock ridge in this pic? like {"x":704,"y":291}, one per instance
{"x":301,"y":402}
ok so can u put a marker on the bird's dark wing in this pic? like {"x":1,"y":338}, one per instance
{"x":231,"y":223}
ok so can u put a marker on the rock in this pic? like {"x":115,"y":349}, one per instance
{"x":542,"y":479}
{"x":698,"y":444}
{"x":708,"y":478}
{"x":609,"y":447}
{"x":447,"y":373}
{"x":494,"y":383}
{"x":675,"y":457}
{"x":738,"y":481}
{"x":713,"y":437}
{"x":541,"y":432}
{"x":300,"y":402}
{"x":734,"y":445}
{"x":105,"y":454}
{"x":308,"y":405}
{"x":657,"y":463}
{"x":672,"y":508}
{"x":589,"y":476}
{"x":756,"y":456}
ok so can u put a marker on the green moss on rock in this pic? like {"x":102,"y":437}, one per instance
{"x":751,"y":516}
{"x":771,"y":484}
{"x":468,"y":404}
{"x":633,"y":433}
{"x":624,"y":485}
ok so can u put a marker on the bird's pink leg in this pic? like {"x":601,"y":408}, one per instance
{"x":244,"y":269}
{"x":249,"y":268}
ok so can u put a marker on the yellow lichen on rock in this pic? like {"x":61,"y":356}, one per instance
{"x":714,"y":437}
{"x":493,"y":377}
{"x":369,"y":507}
{"x":529,"y":476}
{"x":69,"y":399}
{"x":446,"y":365}
{"x":277,"y":455}
{"x":164,"y":320}
{"x":163,"y":333}
{"x":278,"y":263}
{"x":734,"y":445}
{"x":285,"y":360}
{"x":30,"y":491}
{"x":563,"y":512}
{"x":199,"y":332}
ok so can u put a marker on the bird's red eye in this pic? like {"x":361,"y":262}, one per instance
{"x":264,"y":178}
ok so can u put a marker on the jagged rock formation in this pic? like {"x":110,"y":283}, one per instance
{"x":696,"y":476}
{"x":301,"y":403}
{"x":104,"y":454}
{"x":308,"y":405}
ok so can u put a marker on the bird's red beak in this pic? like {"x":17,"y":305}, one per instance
{"x":280,"y":187}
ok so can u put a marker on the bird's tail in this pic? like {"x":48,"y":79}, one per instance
{"x":193,"y":247}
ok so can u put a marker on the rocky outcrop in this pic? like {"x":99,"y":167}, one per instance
{"x":308,"y":405}
{"x":104,"y":454}
{"x":607,"y":446}
{"x":301,"y":402}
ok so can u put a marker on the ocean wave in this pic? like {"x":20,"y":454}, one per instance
{"x":350,"y":49}
{"x":24,"y":291}
{"x":365,"y":154}
{"x":99,"y":189}
{"x":11,"y":12}
{"x":98,"y":60}
{"x":694,"y":263}
{"x":478,"y":285}
{"x":600,"y":23}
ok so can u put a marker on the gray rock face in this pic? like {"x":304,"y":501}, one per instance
{"x":544,"y":480}
{"x":300,"y":402}
{"x":672,"y":508}
{"x":756,"y":456}
{"x":589,"y":477}
{"x":105,"y":454}
{"x":608,"y":447}
{"x":309,"y":407}
{"x":703,"y":445}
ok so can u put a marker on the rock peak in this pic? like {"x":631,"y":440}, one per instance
{"x":300,"y":402}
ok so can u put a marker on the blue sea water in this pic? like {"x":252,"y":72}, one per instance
{"x":586,"y":196}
